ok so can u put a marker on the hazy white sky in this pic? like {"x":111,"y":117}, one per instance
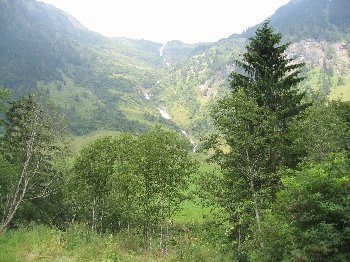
{"x":162,"y":20}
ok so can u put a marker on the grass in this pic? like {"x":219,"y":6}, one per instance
{"x":71,"y":95}
{"x":30,"y":245}
{"x":189,"y":237}
{"x":79,"y":243}
{"x":42,"y":243}
{"x":192,"y":210}
{"x":342,"y":91}
{"x":78,"y":142}
{"x":138,"y":115}
{"x":180,"y":114}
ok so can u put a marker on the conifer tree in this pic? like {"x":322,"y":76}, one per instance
{"x":271,"y":79}
{"x":254,"y":124}
{"x":269,"y":76}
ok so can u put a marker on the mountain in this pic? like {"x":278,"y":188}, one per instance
{"x":88,"y":75}
{"x":319,"y":32}
{"x":316,"y":19}
{"x":126,"y":84}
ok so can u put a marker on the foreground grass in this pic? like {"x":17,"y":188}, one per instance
{"x":78,"y":243}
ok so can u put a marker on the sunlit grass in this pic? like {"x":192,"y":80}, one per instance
{"x":79,"y":243}
{"x":78,"y":142}
{"x":342,"y":91}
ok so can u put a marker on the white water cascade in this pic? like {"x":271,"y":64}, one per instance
{"x":161,"y":50}
{"x":161,"y":53}
{"x":164,"y":113}
{"x":194,"y":145}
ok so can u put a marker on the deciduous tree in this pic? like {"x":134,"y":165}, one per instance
{"x":32,"y":141}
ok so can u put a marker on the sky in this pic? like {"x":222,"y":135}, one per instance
{"x":190,"y":21}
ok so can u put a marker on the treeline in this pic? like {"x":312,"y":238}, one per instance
{"x":133,"y":182}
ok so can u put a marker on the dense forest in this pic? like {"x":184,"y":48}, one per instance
{"x":269,"y":181}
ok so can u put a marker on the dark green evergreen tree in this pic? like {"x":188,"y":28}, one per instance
{"x":271,"y":79}
{"x":269,"y":76}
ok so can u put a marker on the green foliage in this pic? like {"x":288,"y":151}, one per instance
{"x":264,"y":99}
{"x":246,"y":187}
{"x":91,"y":172}
{"x":8,"y":175}
{"x":4,"y":95}
{"x":131,"y":182}
{"x":321,"y":131}
{"x":80,"y":243}
{"x":255,"y":138}
{"x":109,"y":74}
{"x":175,"y":52}
{"x":151,"y":177}
{"x":32,"y":143}
{"x":43,"y":47}
{"x":310,"y":220}
{"x":77,"y":243}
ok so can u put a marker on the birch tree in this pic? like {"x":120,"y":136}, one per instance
{"x":32,"y":142}
{"x":156,"y":169}
{"x":92,"y":170}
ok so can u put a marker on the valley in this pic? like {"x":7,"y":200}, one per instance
{"x":119,"y":149}
{"x":101,"y":83}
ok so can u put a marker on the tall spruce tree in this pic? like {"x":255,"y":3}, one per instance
{"x":271,"y":79}
{"x":269,"y":76}
{"x":254,"y":124}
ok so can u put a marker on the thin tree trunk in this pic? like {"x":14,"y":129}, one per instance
{"x":102,"y":215}
{"x":251,"y":173}
{"x":22,"y":185}
{"x":145,"y":227}
{"x":255,"y":201}
{"x":167,"y":229}
{"x":239,"y":238}
{"x":93,"y":215}
{"x":161,"y":222}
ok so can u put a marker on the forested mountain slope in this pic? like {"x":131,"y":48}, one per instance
{"x":317,"y":19}
{"x":125,"y":84}
{"x":319,"y":33}
{"x":88,"y":75}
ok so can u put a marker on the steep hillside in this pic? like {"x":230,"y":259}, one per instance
{"x":316,"y":19}
{"x":319,"y":32}
{"x":190,"y":86}
{"x":174,"y":52}
{"x":30,"y":47}
{"x":96,"y":80}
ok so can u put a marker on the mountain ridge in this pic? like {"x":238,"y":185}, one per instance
{"x":120,"y":83}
